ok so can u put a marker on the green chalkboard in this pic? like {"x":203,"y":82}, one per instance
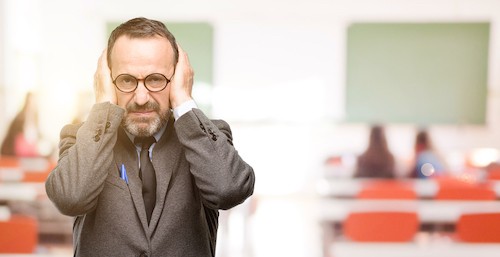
{"x":418,"y":73}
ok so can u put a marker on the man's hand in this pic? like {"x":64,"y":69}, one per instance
{"x":182,"y":82}
{"x":103,"y":85}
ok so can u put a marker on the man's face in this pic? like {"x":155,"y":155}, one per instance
{"x":146,"y":112}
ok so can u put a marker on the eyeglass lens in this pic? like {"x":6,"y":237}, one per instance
{"x":153,"y":82}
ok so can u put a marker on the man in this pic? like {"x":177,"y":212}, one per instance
{"x":124,"y":206}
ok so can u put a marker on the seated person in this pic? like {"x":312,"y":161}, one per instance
{"x":376,"y":161}
{"x":427,"y":162}
{"x":23,"y":134}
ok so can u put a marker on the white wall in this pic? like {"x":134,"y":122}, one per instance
{"x":279,"y":70}
{"x":2,"y":57}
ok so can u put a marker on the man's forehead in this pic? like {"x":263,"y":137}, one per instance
{"x":128,"y":41}
{"x":140,"y":48}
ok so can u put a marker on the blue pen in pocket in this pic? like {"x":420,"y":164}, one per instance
{"x":123,"y":174}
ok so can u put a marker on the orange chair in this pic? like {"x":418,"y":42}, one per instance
{"x":39,"y":176}
{"x":479,"y":228}
{"x":493,"y":172}
{"x":381,"y":226}
{"x":454,"y":189}
{"x":9,"y":162}
{"x":18,"y":235}
{"x":387,"y":189}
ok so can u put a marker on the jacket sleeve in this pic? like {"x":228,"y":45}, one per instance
{"x":85,"y":158}
{"x":221,"y":175}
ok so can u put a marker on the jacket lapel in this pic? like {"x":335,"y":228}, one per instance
{"x":166,"y":156}
{"x":126,"y":154}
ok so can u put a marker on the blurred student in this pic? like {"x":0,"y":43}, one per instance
{"x":376,"y":161}
{"x":23,"y":136}
{"x":427,"y":162}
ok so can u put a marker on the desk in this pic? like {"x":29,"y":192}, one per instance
{"x":332,"y":212}
{"x":50,"y":221}
{"x":25,"y":169}
{"x":414,"y":249}
{"x":429,"y":211}
{"x":349,"y":188}
{"x":21,"y":191}
{"x":4,"y":213}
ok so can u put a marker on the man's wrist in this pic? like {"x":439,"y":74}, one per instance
{"x":184,"y":108}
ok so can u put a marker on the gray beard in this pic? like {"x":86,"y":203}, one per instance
{"x":139,"y":130}
{"x":145,"y":127}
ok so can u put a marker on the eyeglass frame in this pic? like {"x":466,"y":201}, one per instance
{"x":143,"y":81}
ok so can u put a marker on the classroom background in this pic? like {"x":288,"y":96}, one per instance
{"x":281,"y":73}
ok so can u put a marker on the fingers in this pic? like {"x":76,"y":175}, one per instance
{"x":183,"y":57}
{"x":182,"y":83}
{"x":183,"y":67}
{"x":103,"y":85}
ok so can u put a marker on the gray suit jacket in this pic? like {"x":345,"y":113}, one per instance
{"x":198,"y":172}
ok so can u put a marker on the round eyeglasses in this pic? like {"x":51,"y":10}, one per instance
{"x":153,"y":82}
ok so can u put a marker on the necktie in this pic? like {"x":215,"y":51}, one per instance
{"x":147,"y":174}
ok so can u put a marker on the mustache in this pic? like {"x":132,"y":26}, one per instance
{"x":149,"y":106}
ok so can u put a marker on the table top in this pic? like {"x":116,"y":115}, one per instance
{"x":413,"y":249}
{"x":428,"y":211}
{"x":4,"y":213}
{"x":350,"y":187}
{"x":26,"y":169}
{"x":15,"y":191}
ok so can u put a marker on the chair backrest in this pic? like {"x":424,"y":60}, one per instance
{"x":19,"y":234}
{"x":9,"y":162}
{"x":462,"y":190}
{"x":381,"y":226}
{"x":390,"y":189}
{"x":40,"y":175}
{"x":479,"y":228}
{"x":493,"y":172}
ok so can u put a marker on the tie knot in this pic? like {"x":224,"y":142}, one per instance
{"x":144,"y":142}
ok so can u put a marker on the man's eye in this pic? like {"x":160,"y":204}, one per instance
{"x":127,"y":80}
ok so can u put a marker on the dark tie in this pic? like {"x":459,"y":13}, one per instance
{"x":147,"y":174}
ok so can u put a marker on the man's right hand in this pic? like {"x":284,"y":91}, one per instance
{"x":103,"y":84}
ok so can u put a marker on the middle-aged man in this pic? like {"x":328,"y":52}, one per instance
{"x":159,"y":196}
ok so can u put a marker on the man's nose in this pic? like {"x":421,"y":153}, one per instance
{"x":141,"y":94}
